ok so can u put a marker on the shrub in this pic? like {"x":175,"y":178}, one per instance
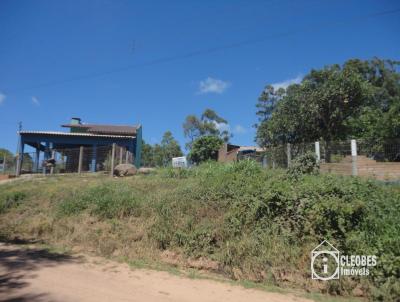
{"x":304,"y":164}
{"x":258,"y":224}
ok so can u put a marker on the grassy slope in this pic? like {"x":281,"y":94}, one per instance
{"x":258,"y":226}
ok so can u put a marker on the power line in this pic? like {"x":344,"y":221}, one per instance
{"x":205,"y":51}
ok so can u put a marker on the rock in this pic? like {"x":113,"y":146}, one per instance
{"x":125,"y":170}
{"x":146,"y":170}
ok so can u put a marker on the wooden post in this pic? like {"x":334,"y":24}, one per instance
{"x":317,"y":152}
{"x":80,"y":159}
{"x":289,"y":155}
{"x":53,"y":156}
{"x":354,"y":170}
{"x":112,"y":160}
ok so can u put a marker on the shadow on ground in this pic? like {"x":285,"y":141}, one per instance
{"x":18,"y":263}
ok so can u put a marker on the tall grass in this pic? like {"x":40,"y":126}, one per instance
{"x":259,"y":225}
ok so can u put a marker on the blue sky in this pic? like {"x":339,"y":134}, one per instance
{"x":155,"y":62}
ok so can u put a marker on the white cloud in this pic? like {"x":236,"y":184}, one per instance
{"x":239,"y":129}
{"x":35,"y":101}
{"x":288,"y":82}
{"x":211,"y":85}
{"x":2,"y":97}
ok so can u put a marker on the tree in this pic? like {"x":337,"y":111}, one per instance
{"x":8,"y":156}
{"x":209,"y":124}
{"x":160,"y":155}
{"x":320,"y":107}
{"x":147,"y":155}
{"x":169,"y":148}
{"x":205,"y":148}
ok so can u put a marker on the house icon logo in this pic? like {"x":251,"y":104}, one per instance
{"x":325,"y":262}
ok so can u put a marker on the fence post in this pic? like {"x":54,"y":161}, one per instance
{"x":317,"y":152}
{"x":53,"y":156}
{"x":265,"y":161}
{"x":354,"y":170}
{"x":112,"y":160}
{"x":289,"y":155}
{"x":80,"y":159}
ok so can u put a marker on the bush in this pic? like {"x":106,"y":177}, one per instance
{"x":304,"y":164}
{"x":259,"y":224}
{"x":205,"y":148}
{"x":268,"y":219}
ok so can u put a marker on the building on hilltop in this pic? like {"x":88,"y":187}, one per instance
{"x":92,"y":137}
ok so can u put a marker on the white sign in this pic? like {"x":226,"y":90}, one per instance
{"x":179,"y":162}
{"x":328,"y":264}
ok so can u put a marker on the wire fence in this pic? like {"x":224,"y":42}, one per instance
{"x":378,"y":159}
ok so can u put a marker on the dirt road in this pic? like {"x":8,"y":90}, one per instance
{"x":32,"y":274}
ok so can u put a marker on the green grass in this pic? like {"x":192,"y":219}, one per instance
{"x":259,"y":225}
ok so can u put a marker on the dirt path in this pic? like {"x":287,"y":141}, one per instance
{"x":38,"y":275}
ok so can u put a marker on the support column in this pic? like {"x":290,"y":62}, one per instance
{"x":94,"y":158}
{"x":112,"y":160}
{"x":127,"y":157}
{"x":138,"y":147}
{"x":37,"y":158}
{"x":53,"y":156}
{"x":46,"y":156}
{"x":120,"y":154}
{"x":80,"y":159}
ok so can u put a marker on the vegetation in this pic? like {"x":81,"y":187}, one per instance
{"x":256,"y":224}
{"x":8,"y":156}
{"x":360,"y":99}
{"x":205,"y":148}
{"x":209,"y":124}
{"x":160,"y":155}
{"x":304,"y":164}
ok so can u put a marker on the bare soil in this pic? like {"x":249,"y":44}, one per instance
{"x":28,"y":273}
